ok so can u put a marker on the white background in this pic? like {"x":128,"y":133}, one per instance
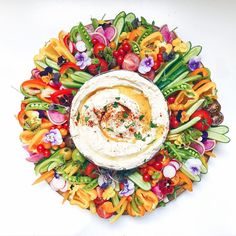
{"x":36,"y":210}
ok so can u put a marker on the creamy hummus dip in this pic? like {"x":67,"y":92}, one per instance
{"x":119,"y":120}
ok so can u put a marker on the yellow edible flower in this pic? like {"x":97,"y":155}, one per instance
{"x":123,"y":36}
{"x":179,"y":46}
{"x":108,"y":193}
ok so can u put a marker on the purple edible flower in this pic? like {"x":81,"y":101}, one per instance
{"x":54,"y":137}
{"x":146,"y":64}
{"x":82,"y":60}
{"x":128,"y":188}
{"x":105,"y":181}
{"x":193,"y":165}
{"x":194,"y":63}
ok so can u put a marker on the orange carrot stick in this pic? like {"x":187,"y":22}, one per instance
{"x":44,"y":176}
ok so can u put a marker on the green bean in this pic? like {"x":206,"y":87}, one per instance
{"x":93,"y":184}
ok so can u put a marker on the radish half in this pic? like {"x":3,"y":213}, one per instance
{"x":209,"y":144}
{"x":100,"y":37}
{"x":198,"y":146}
{"x":175,"y":163}
{"x":57,"y":118}
{"x":169,"y":171}
{"x":100,"y":30}
{"x":110,"y":33}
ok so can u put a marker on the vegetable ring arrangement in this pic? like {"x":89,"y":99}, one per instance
{"x":120,"y":116}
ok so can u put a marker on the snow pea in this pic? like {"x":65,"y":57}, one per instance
{"x":45,"y":107}
{"x":93,"y":184}
{"x":169,"y":91}
{"x":77,"y":179}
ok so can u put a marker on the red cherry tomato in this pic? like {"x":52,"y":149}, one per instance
{"x":170,"y":100}
{"x":121,"y":52}
{"x":126,"y":47}
{"x":146,"y":177}
{"x":90,"y":170}
{"x":115,"y":54}
{"x":159,"y":57}
{"x":119,"y":60}
{"x":174,"y":123}
{"x":40,"y":148}
{"x":47,"y":153}
{"x":205,"y":122}
{"x":131,"y":62}
{"x":157,"y":166}
{"x":65,"y":126}
{"x":102,"y":213}
{"x":98,"y":47}
{"x":103,"y":65}
{"x":99,"y":201}
{"x":156,"y":65}
{"x":94,"y":41}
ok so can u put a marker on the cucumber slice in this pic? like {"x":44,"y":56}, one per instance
{"x":77,"y":78}
{"x":195,"y":51}
{"x":222,"y":129}
{"x":41,"y":64}
{"x":218,"y":137}
{"x":121,"y":14}
{"x":203,"y":169}
{"x":130,"y":17}
{"x":119,"y":26}
{"x":194,"y":107}
{"x":185,"y":170}
{"x":138,"y":180}
{"x":83,"y":74}
{"x":52,"y":64}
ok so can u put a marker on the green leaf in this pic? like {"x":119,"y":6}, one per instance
{"x":78,"y":116}
{"x":87,"y":118}
{"x":152,"y":125}
{"x":141,"y":117}
{"x":115,"y":104}
{"x":125,"y":115}
{"x":117,"y":98}
{"x":131,"y":124}
{"x":138,"y":136}
{"x":110,"y":129}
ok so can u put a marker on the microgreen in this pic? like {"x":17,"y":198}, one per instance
{"x":125,"y":115}
{"x":138,"y":136}
{"x":152,"y":125}
{"x":115,"y":104}
{"x":141,"y":117}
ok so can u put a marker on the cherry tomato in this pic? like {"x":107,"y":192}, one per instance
{"x":65,"y":126}
{"x":156,"y":65}
{"x":99,"y":201}
{"x":159,"y":57}
{"x":171,"y":100}
{"x":98,"y":47}
{"x":90,"y":169}
{"x":205,"y":122}
{"x":47,"y":145}
{"x":144,"y":170}
{"x":63,"y":132}
{"x":112,"y":45}
{"x":94,"y":41}
{"x":103,"y":65}
{"x":126,"y":47}
{"x":157,"y":165}
{"x":131,"y":62}
{"x":146,"y":177}
{"x":119,"y":60}
{"x":102,"y":213}
{"x":40,"y":148}
{"x":115,"y":54}
{"x":174,"y":123}
{"x":121,"y":52}
{"x":47,"y":153}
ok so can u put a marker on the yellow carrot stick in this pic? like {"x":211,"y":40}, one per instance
{"x":44,"y":176}
{"x":115,"y":218}
{"x":65,"y":196}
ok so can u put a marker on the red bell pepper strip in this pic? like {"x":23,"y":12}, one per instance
{"x":68,"y":65}
{"x":59,"y":93}
{"x":65,"y":40}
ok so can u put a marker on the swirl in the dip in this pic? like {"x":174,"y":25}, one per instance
{"x":119,"y":120}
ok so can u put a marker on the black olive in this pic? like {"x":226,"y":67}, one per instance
{"x":214,"y":107}
{"x":217,"y":119}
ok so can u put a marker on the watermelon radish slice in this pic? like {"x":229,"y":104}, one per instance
{"x":57,"y":118}
{"x":100,"y":30}
{"x":209,"y":144}
{"x":158,"y":192}
{"x":71,"y":47}
{"x":169,"y":171}
{"x":35,"y":157}
{"x":110,"y":33}
{"x":198,"y":146}
{"x":100,"y":37}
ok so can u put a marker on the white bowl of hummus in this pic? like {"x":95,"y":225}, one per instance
{"x":119,"y":120}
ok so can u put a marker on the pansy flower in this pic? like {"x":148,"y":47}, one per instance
{"x":128,"y":188}
{"x":146,"y":64}
{"x":54,"y":137}
{"x":82,"y":60}
{"x":194,"y":165}
{"x":194,"y":63}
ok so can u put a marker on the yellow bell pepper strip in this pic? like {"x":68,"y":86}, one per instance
{"x":44,"y":176}
{"x":92,"y":194}
{"x":122,"y":210}
{"x":200,"y":83}
{"x":185,"y":179}
{"x":26,"y":136}
{"x":151,"y":39}
{"x":207,"y":89}
{"x":65,"y":196}
{"x":201,"y":71}
{"x":148,"y":198}
{"x":109,"y":208}
{"x":37,"y":139}
{"x":83,"y":203}
{"x":108,"y":193}
{"x":92,"y":207}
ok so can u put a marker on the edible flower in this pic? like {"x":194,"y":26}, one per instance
{"x":146,"y":64}
{"x":105,"y":180}
{"x":193,"y":165}
{"x":128,"y":188}
{"x":168,"y":35}
{"x":194,"y":63}
{"x":82,"y":60}
{"x":80,"y":45}
{"x":58,"y":183}
{"x":179,"y":46}
{"x":54,"y":137}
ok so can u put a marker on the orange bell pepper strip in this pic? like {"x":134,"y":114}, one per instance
{"x":44,"y":176}
{"x":148,"y":198}
{"x":200,"y":83}
{"x":188,"y":183}
{"x":208,"y":89}
{"x":65,"y":196}
{"x":109,"y":208}
{"x":201,"y":71}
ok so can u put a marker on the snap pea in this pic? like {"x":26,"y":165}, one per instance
{"x":135,"y":47}
{"x":77,"y":180}
{"x":73,"y":33}
{"x":93,"y":184}
{"x":194,"y":107}
{"x":31,"y":99}
{"x":80,"y":76}
{"x":169,"y":91}
{"x":134,"y":206}
{"x":37,"y":106}
{"x":85,"y":36}
{"x":146,"y":33}
{"x":175,"y":82}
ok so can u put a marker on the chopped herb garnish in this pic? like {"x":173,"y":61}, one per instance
{"x":141,"y":117}
{"x":117,"y":98}
{"x":105,"y":108}
{"x":131,"y":124}
{"x":110,"y":129}
{"x":152,"y":141}
{"x":138,"y":136}
{"x":152,"y":125}
{"x":125,"y":115}
{"x":122,"y":120}
{"x":87,"y":118}
{"x":86,"y":107}
{"x":78,"y":116}
{"x":115,"y":104}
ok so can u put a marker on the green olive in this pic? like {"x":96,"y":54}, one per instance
{"x":77,"y":156}
{"x":66,"y":152}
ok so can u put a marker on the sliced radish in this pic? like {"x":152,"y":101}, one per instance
{"x":175,"y":163}
{"x":198,"y":146}
{"x":80,"y":46}
{"x":110,"y":32}
{"x":57,"y":118}
{"x":169,"y":171}
{"x":168,"y":35}
{"x":100,"y":30}
{"x":58,"y":183}
{"x":35,"y":157}
{"x":100,"y":37}
{"x":89,"y":28}
{"x":71,"y":47}
{"x":131,"y":62}
{"x":65,"y":188}
{"x":209,"y":144}
{"x":53,"y":186}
